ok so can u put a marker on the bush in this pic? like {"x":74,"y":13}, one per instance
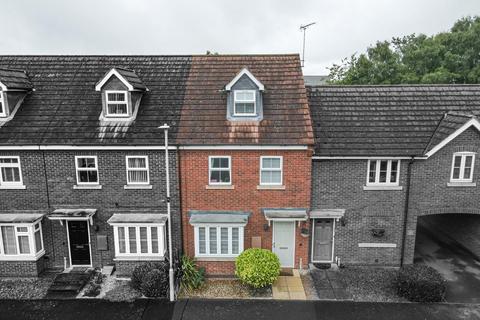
{"x":151,"y":279}
{"x":420,"y":283}
{"x":94,"y":286}
{"x":257,"y":267}
{"x":192,"y":276}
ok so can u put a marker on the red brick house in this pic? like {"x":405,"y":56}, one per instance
{"x":388,"y":158}
{"x":82,"y":172}
{"x":245,"y":140}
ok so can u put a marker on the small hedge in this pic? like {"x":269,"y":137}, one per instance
{"x":151,"y":279}
{"x":257,"y":267}
{"x":420,"y":283}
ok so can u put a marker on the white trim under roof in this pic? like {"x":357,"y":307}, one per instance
{"x":363,"y":158}
{"x":467,"y":125}
{"x":73,"y":147}
{"x":113,"y":72}
{"x":260,"y":86}
{"x":244,"y":147}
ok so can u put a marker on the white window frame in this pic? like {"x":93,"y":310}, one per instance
{"x":219,"y":243}
{"x":147,"y":168}
{"x":235,"y":100}
{"x":160,"y":238}
{"x":3,"y":111}
{"x":271,"y":169}
{"x":377,"y":173}
{"x":32,"y":256}
{"x":77,"y":171}
{"x":11,"y":165}
{"x":107,"y":102}
{"x":463,"y":156}
{"x":217,"y":169}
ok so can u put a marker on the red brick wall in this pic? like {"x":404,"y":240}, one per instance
{"x":245,"y":196}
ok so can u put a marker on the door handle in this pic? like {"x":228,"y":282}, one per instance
{"x":283,"y":248}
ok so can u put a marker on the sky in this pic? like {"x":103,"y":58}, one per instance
{"x":343,"y":27}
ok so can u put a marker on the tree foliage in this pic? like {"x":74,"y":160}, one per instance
{"x":448,"y":57}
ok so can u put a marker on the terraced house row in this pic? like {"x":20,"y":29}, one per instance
{"x":258,"y":158}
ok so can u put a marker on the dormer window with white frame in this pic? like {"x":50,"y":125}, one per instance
{"x":245,"y":103}
{"x":117,"y":103}
{"x":462,"y":167}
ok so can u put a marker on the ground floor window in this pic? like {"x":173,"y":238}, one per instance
{"x":144,"y":240}
{"x":218,"y":241}
{"x":21,"y":241}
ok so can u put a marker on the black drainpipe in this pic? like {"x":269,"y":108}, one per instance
{"x":405,"y":213}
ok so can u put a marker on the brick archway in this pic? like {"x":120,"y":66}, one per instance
{"x":454,"y":210}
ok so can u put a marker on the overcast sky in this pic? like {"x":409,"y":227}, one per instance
{"x":193,"y":27}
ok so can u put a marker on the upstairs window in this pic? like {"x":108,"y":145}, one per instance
{"x":244,"y":103}
{"x":3,"y":112}
{"x":219,"y":170}
{"x":10,"y":172}
{"x":116,"y":103}
{"x":87,"y":170}
{"x":462,"y":167}
{"x":270,"y":170}
{"x":383,"y":172}
{"x":137,"y":170}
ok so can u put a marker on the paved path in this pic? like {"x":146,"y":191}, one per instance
{"x":86,"y":309}
{"x":457,"y":265}
{"x":289,"y":288}
{"x":330,"y":285}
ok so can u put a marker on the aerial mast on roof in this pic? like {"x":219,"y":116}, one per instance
{"x":304,"y":29}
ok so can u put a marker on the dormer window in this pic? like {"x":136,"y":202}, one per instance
{"x":117,"y":104}
{"x":244,"y":104}
{"x":3,"y":112}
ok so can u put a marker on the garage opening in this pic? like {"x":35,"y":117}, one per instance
{"x":450,"y":243}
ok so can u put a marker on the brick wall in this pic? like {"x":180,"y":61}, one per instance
{"x":22,"y":268}
{"x":112,"y":198}
{"x":245,"y":196}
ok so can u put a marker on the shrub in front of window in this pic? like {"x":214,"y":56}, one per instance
{"x":257,"y":267}
{"x":420,"y":283}
{"x":151,"y":279}
{"x":192,"y":276}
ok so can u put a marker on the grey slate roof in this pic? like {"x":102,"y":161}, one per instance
{"x":15,"y":79}
{"x":387,"y":120}
{"x":132,"y":78}
{"x":64,"y":109}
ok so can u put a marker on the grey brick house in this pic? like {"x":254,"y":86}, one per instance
{"x":82,"y":180}
{"x":388,"y":158}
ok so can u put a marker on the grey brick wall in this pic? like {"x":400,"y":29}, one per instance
{"x":22,"y":268}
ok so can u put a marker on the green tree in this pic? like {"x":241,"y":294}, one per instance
{"x":448,"y":57}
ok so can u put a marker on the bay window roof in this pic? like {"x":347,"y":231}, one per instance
{"x":20,"y":217}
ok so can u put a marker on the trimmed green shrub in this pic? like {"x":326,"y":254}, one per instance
{"x":257,"y":267}
{"x":420,"y":283}
{"x":151,"y":279}
{"x":192,"y":276}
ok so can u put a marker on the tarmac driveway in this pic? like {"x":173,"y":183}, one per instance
{"x":459,"y":267}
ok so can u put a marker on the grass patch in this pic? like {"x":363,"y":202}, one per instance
{"x":371,"y":284}
{"x":28,"y":288}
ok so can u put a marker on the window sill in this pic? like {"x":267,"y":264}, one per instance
{"x":139,"y":258}
{"x":17,"y":187}
{"x":382,"y":188}
{"x":95,"y":186}
{"x":220,"y":187}
{"x":461,"y":184}
{"x":137,"y":186}
{"x":19,"y":257}
{"x":272,"y":187}
{"x":215,"y":258}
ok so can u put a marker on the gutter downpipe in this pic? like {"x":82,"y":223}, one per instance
{"x":165,"y":128}
{"x":405,"y":214}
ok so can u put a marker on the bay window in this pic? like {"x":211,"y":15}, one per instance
{"x":218,"y":240}
{"x":21,"y":241}
{"x":139,"y":240}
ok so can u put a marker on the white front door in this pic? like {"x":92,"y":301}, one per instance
{"x":284,"y":242}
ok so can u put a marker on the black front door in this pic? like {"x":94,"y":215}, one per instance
{"x":79,"y":242}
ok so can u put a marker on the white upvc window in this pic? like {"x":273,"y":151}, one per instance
{"x":218,"y":240}
{"x":3,"y":110}
{"x":383,"y":172}
{"x":116,"y":103}
{"x":87,"y":170}
{"x":139,"y":240}
{"x":244,"y":103}
{"x":271,"y":170}
{"x":219,"y":170}
{"x":137,"y":170}
{"x":10,"y":172}
{"x":462,"y":167}
{"x":22,"y":241}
